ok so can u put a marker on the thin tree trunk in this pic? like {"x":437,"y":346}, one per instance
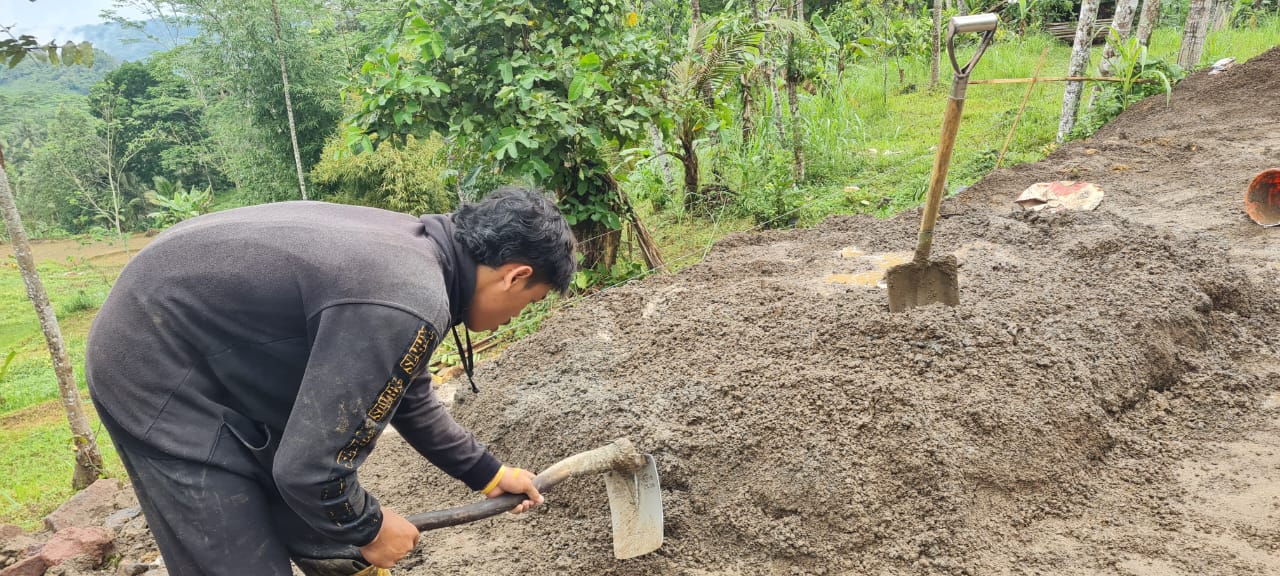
{"x":1147,"y":20}
{"x":1193,"y":34}
{"x":962,"y":7}
{"x":689,"y":156}
{"x":1079,"y":62}
{"x":1221,"y":12}
{"x":660,"y":149}
{"x":288,"y":102}
{"x":748,"y":123}
{"x":793,"y":100}
{"x":695,"y":12}
{"x":745,"y":84}
{"x":88,"y":459}
{"x":936,"y":44}
{"x":1122,"y":24}
{"x":797,"y":132}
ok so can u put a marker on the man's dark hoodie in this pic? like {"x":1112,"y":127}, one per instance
{"x":300,"y":328}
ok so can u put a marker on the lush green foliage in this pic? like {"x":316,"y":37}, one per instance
{"x":1141,"y":76}
{"x":236,"y":57}
{"x":176,"y":204}
{"x":410,"y":178}
{"x":541,"y":91}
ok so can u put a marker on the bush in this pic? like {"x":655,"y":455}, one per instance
{"x":408,"y":179}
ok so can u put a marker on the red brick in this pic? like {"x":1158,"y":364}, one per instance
{"x":92,"y":543}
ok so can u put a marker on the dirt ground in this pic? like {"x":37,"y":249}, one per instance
{"x":1105,"y":400}
{"x":103,"y":253}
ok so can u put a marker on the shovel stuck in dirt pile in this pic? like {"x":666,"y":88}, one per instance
{"x":631,"y":479}
{"x":921,"y":282}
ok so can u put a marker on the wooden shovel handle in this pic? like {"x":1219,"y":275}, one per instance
{"x":938,"y":181}
{"x":619,"y":456}
{"x":986,"y":24}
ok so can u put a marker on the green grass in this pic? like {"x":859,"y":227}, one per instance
{"x":1240,"y":43}
{"x":76,"y":291}
{"x":871,"y":151}
{"x":37,"y":462}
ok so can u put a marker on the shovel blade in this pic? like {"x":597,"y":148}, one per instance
{"x":635,"y":502}
{"x":922,"y":283}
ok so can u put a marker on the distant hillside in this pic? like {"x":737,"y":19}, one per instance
{"x":37,"y":78}
{"x":128,"y":44}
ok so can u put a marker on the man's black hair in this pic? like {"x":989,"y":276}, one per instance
{"x":522,"y":225}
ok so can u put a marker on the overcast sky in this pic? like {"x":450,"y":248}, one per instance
{"x":54,"y":19}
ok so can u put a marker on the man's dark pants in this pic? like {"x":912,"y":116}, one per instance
{"x":223,"y":516}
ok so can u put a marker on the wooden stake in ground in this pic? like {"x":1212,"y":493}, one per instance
{"x":1023,"y":107}
{"x":1194,"y":33}
{"x":88,"y":459}
{"x":288,"y":103}
{"x":1147,"y":20}
{"x":1079,"y":62}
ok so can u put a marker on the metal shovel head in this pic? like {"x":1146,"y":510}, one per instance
{"x":635,"y":501}
{"x":920,"y":283}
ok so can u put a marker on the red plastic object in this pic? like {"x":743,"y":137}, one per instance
{"x":1262,"y":201}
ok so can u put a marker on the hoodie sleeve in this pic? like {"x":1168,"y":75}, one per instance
{"x":363,"y":358}
{"x":425,"y":424}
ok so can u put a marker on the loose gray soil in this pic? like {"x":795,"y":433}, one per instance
{"x":1105,"y":400}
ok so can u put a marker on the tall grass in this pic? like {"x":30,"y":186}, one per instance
{"x":872,"y":151}
{"x":1240,"y":43}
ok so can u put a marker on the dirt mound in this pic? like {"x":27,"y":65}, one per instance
{"x":1045,"y":424}
{"x":1184,"y":164}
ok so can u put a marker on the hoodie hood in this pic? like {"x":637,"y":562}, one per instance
{"x":456,"y":264}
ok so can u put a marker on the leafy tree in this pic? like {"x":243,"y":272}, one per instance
{"x":233,"y":66}
{"x":542,"y":91}
{"x":75,"y":179}
{"x":715,"y":56}
{"x":157,"y":114}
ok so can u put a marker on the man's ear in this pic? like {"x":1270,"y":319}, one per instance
{"x":515,"y":272}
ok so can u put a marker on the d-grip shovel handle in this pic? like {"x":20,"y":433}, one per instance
{"x":618,"y":456}
{"x":985,"y":23}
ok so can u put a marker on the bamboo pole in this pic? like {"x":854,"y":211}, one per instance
{"x":1056,"y":79}
{"x":1022,"y":108}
